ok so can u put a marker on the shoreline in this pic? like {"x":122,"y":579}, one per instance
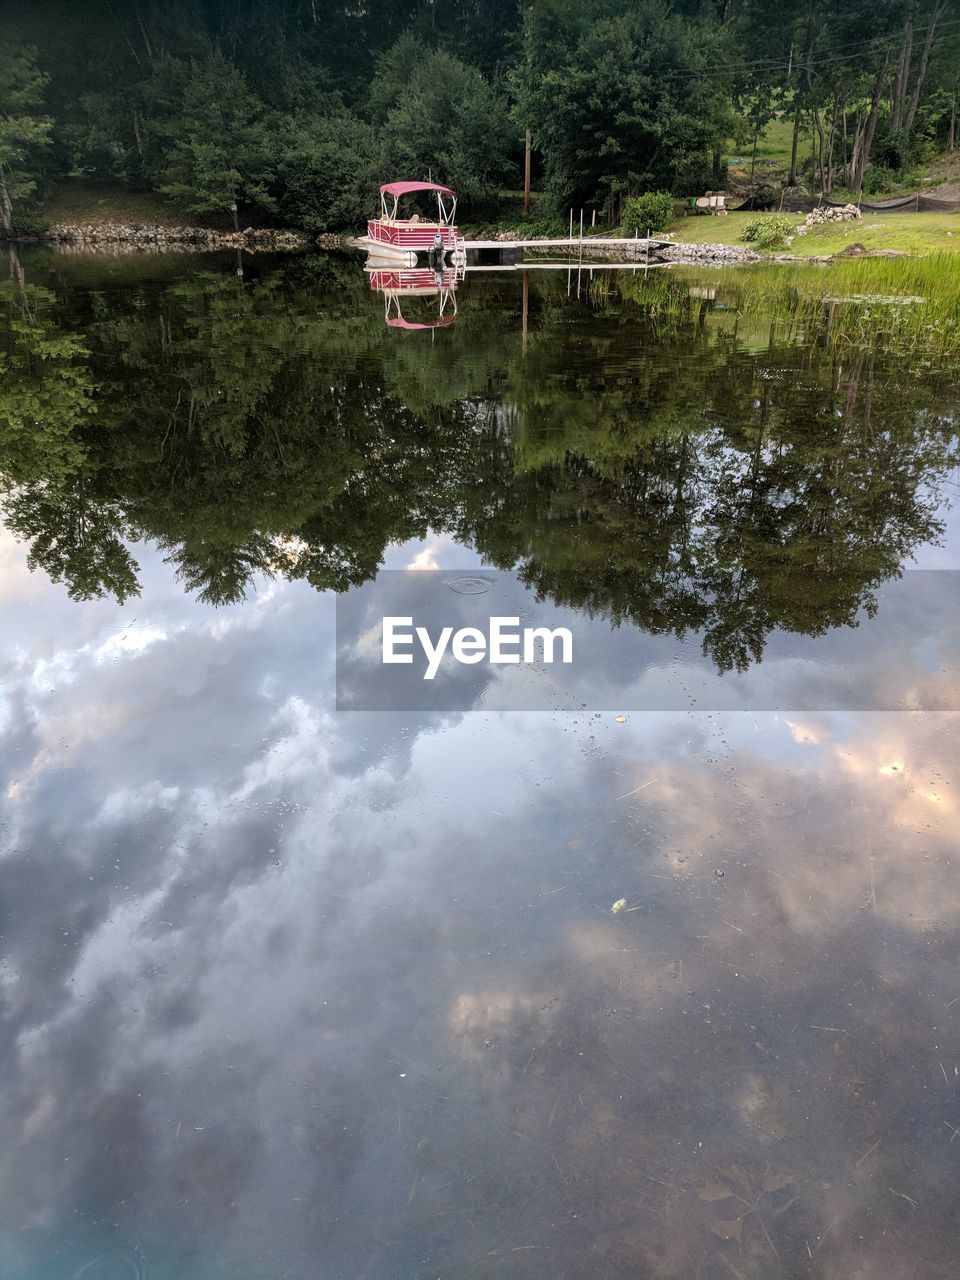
{"x":114,"y":237}
{"x":718,"y":255}
{"x":156,"y":237}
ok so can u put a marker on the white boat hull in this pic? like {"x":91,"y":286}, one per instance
{"x":389,"y":255}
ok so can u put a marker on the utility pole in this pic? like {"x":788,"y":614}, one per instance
{"x":526,"y":175}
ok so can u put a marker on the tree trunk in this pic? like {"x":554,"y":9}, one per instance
{"x":855,"y":148}
{"x":831,"y":139}
{"x":902,"y":77}
{"x":19,"y":281}
{"x":922,"y":71}
{"x":753,"y":158}
{"x":952,"y":136}
{"x":846,"y":153}
{"x":143,"y":31}
{"x":792,"y":175}
{"x":818,"y":149}
{"x":808,"y":58}
{"x":526,"y":173}
{"x":869,"y":129}
{"x":6,"y":211}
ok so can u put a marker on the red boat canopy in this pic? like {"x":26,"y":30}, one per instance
{"x":404,"y":188}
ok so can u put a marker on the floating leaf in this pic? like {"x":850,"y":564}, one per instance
{"x":727,"y":1230}
{"x":774,"y":1181}
{"x":736,"y":1174}
{"x":713,"y":1189}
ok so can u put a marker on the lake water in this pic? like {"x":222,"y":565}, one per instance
{"x":293,"y":993}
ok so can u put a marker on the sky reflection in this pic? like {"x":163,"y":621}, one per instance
{"x":292,"y":993}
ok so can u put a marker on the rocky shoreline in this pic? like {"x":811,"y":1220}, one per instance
{"x":595,"y":249}
{"x":157,"y":238}
{"x":143,"y":237}
{"x":718,"y":255}
{"x":715,"y":255}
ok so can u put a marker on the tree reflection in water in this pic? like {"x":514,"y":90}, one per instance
{"x":642,"y":458}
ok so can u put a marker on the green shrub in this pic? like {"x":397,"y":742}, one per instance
{"x":525,"y":226}
{"x":652,"y":211}
{"x":531,"y":225}
{"x":29,"y":222}
{"x":877,"y":179}
{"x":769,"y":231}
{"x":893,"y":152}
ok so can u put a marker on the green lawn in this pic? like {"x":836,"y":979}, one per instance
{"x":80,"y":200}
{"x":773,"y":150}
{"x":76,"y":200}
{"x":906,"y":232}
{"x":776,"y":142}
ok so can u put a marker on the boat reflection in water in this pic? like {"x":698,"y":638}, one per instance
{"x":401,"y":286}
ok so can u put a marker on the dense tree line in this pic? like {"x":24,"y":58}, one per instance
{"x":297,"y":109}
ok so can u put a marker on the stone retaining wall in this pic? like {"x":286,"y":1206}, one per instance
{"x":713,"y":254}
{"x":119,"y":237}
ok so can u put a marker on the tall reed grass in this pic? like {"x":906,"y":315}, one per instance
{"x":909,"y":307}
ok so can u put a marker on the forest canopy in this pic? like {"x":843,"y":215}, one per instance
{"x":295,"y":111}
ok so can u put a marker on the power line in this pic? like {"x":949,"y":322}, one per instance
{"x":775,"y":64}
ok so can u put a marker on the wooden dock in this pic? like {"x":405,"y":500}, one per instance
{"x":575,"y":244}
{"x":572,"y":249}
{"x":575,"y":248}
{"x":609,"y":265}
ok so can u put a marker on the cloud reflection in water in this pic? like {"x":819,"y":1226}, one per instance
{"x":286,"y":992}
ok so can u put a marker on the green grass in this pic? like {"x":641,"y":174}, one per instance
{"x":773,"y":163}
{"x":776,"y":143}
{"x":79,"y":200}
{"x":773,"y":150}
{"x":906,"y":306}
{"x":919,"y":233}
{"x":76,"y":200}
